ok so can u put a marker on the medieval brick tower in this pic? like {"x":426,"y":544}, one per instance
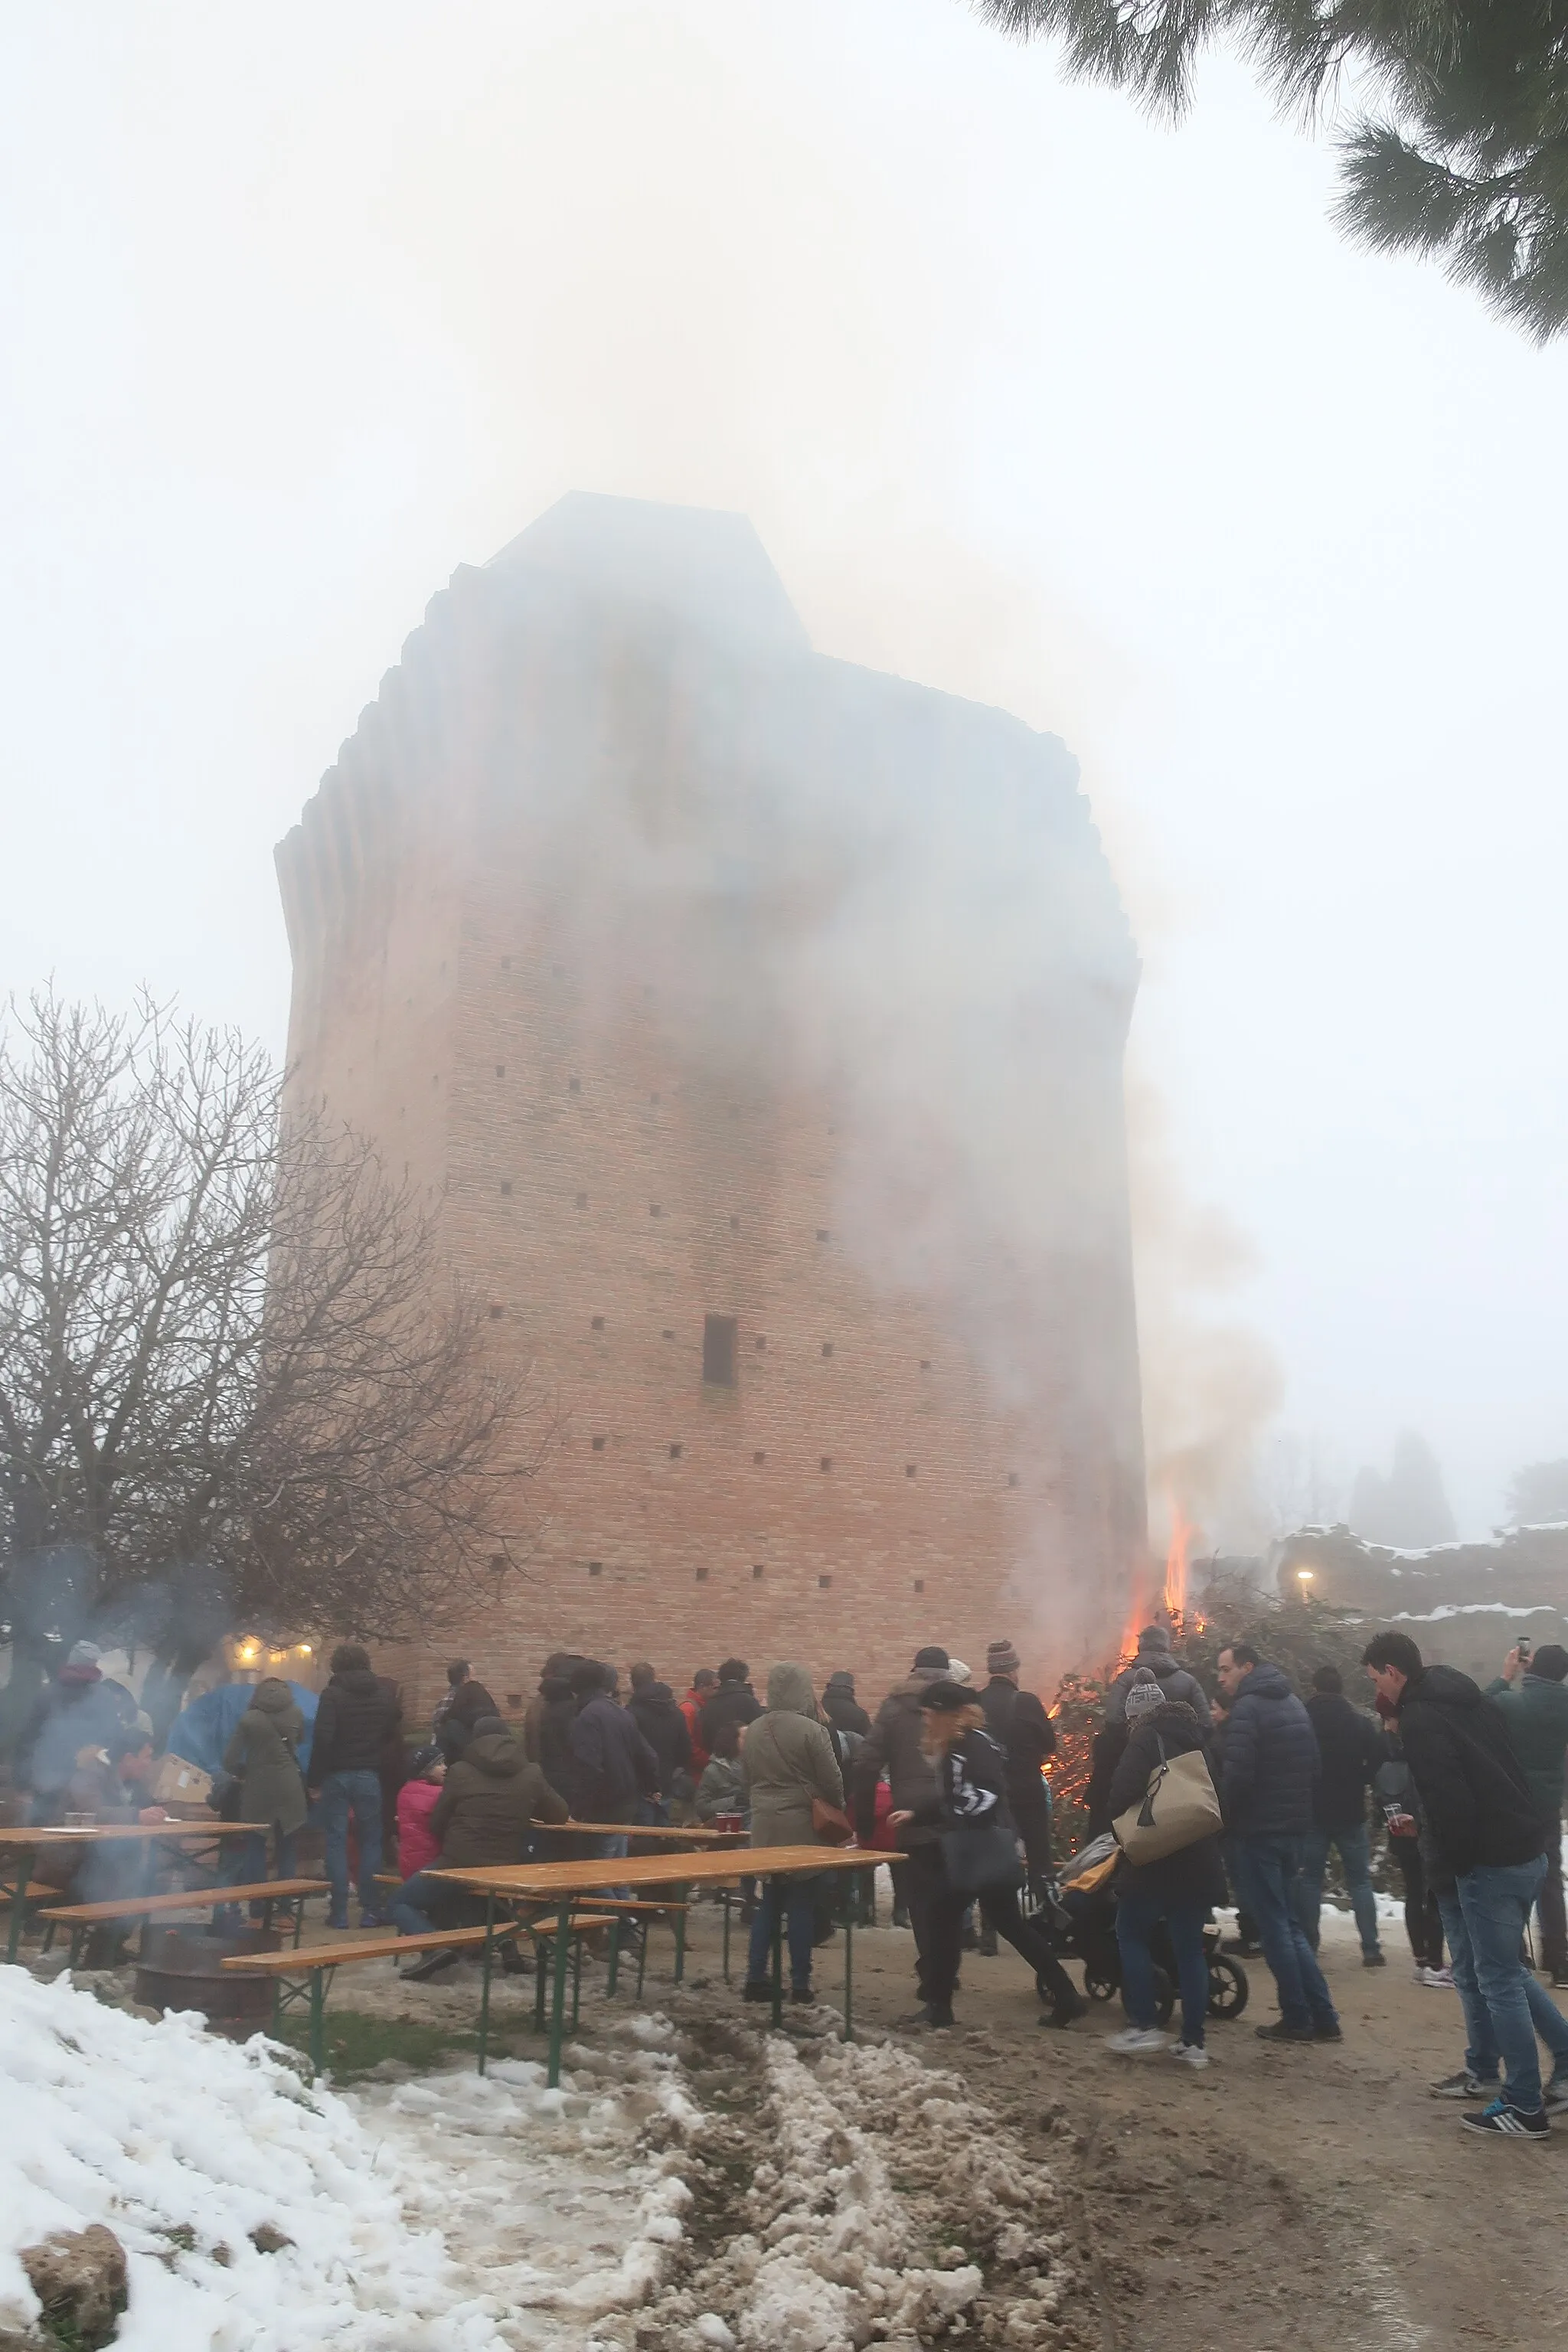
{"x":757,"y":1021}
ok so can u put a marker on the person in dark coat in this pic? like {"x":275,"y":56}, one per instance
{"x":357,"y":1718}
{"x":80,"y":1709}
{"x":1271,"y":1770}
{"x":896,"y":1745}
{"x":735,"y":1701}
{"x":1181,"y":1888}
{"x":970,"y":1772}
{"x":468,"y":1703}
{"x":1532,"y":1698}
{"x":1393,"y":1796}
{"x":838,"y":1704}
{"x":653,"y":1707}
{"x":1482,"y":1838}
{"x":555,"y":1679}
{"x":1155,"y":1654}
{"x":1244,"y":1943}
{"x":480,"y":1818}
{"x":1017,"y":1722}
{"x":612,"y":1764}
{"x":1350,"y":1749}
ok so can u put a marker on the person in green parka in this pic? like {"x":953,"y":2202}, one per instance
{"x":1531,"y":1694}
{"x":264,"y":1756}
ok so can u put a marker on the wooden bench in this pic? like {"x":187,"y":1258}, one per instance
{"x":302,"y":1977}
{"x":128,"y":1911}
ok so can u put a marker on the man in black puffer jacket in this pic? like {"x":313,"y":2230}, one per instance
{"x":1481,"y":1838}
{"x":358,"y":1715}
{"x":652,"y":1707}
{"x":1271,"y":1769}
{"x":1352,"y":1750}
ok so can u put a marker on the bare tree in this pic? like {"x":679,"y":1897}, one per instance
{"x":235,"y":1380}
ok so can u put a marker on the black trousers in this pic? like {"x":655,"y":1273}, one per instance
{"x":1423,"y":1920}
{"x":1032,"y":1817}
{"x":925,"y":1882}
{"x":999,"y":1909}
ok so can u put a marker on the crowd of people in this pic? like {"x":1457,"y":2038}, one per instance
{"x":947,"y":1780}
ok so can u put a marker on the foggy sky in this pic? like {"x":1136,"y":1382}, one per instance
{"x":1028,"y":399}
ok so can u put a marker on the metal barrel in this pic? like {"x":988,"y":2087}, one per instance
{"x":179,"y":1969}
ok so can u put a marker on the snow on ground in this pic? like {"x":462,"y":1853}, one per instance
{"x":804,"y":2199}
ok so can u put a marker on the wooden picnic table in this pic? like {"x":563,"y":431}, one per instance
{"x":665,"y":1833}
{"x":560,"y":1882}
{"x":19,"y":1850}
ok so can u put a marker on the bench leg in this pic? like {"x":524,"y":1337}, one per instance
{"x":781,"y":1893}
{"x":298,"y":1919}
{"x":318,"y":2020}
{"x":680,"y":1893}
{"x":612,"y":1974}
{"x":849,"y":1958}
{"x":540,"y":1949}
{"x":558,"y":1993}
{"x":25,"y":1857}
{"x":725,"y":1899}
{"x":577,"y":1977}
{"x":642,"y":1951}
{"x":485,"y":1988}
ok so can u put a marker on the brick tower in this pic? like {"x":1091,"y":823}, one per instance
{"x":757,"y":1021}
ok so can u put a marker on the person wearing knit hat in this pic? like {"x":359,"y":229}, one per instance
{"x":958,"y":1672}
{"x":1179,"y":1888}
{"x":1019,"y":1725}
{"x":894,"y":1745}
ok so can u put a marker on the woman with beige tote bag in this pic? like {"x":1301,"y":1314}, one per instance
{"x":1164,"y":1772}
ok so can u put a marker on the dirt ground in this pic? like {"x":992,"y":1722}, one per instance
{"x":1302,"y":2196}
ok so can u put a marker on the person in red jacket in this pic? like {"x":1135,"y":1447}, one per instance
{"x":417,"y":1847}
{"x":704,"y":1683}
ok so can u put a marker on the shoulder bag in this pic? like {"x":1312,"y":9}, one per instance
{"x":978,"y":1860}
{"x":829,"y":1825}
{"x":1179,"y":1806}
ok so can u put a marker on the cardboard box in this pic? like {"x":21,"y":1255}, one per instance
{"x":178,"y":1783}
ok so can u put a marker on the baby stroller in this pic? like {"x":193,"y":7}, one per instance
{"x":1080,"y":1920}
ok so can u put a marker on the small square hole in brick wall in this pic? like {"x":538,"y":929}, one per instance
{"x":654,"y":1210}
{"x":598,"y":1323}
{"x":703,"y":1576}
{"x":823,"y":1582}
{"x":582,"y":1200}
{"x":720,"y":1333}
{"x":827,"y":1347}
{"x":506,"y":1184}
{"x":757,"y":1573}
{"x":734,"y":1224}
{"x":762,"y":1345}
{"x":925,"y":1363}
{"x":595,"y":1568}
{"x":599,"y":1445}
{"x":826,"y":1462}
{"x":1012,"y":1477}
{"x":514,"y":1698}
{"x":667,"y":1335}
{"x":676,"y":1451}
{"x":822,"y":1233}
{"x":498,"y":1561}
{"x":496,"y":1313}
{"x":759,"y":1459}
{"x":500,"y":1069}
{"x":910,"y":1468}
{"x":919,"y":1584}
{"x":573,"y":1086}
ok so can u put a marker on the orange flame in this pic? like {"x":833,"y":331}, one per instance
{"x":1178,"y":1559}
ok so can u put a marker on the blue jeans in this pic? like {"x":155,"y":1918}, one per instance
{"x":412,"y":1907}
{"x":1267,"y":1871}
{"x":1354,"y":1845}
{"x":247,"y":1861}
{"x":1137,"y":1917}
{"x":1484,"y":1919}
{"x":799,"y":1898}
{"x":358,"y":1793}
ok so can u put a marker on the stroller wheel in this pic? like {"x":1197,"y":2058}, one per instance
{"x":1164,"y":1997}
{"x":1097,"y":1987}
{"x":1228,"y":1987}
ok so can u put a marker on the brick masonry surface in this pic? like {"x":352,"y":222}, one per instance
{"x":532,"y":961}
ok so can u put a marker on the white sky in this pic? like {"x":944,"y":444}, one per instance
{"x":305,"y":306}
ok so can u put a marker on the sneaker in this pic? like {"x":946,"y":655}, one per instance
{"x":756,"y":1989}
{"x":1064,"y":2012}
{"x":900,"y":1917}
{"x":1555,"y":2094}
{"x":1504,"y":2122}
{"x":800,"y":1992}
{"x":373,"y":1919}
{"x":1193,"y":2054}
{"x":1463,"y":2085}
{"x":1328,"y":2029}
{"x":1281,"y":2031}
{"x":1373,"y":1960}
{"x":1135,"y":2039}
{"x":432,"y":1964}
{"x":1442,"y":1979}
{"x":936,"y":2016}
{"x":340,"y":1926}
{"x":1559,"y":1976}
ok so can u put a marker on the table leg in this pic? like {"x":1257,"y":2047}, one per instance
{"x":25,"y":1857}
{"x":780,"y":1888}
{"x":576,"y":1980}
{"x":612,"y":1973}
{"x":558,"y":1993}
{"x":485,"y":1987}
{"x":318,"y":2021}
{"x":680,"y":1893}
{"x":539,"y":1949}
{"x":849,"y":1912}
{"x":726,"y":1898}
